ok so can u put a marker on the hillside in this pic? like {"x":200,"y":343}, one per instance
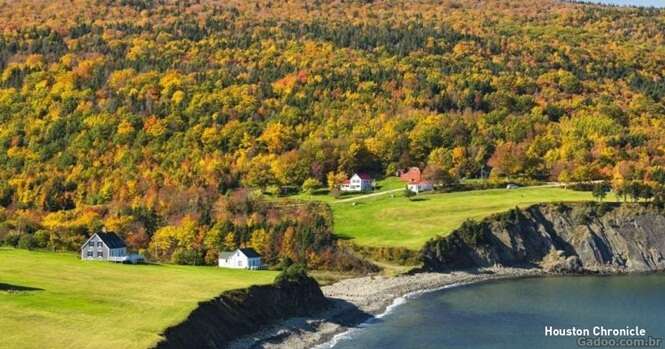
{"x":400,"y":222}
{"x":76,"y":304}
{"x":141,"y":114}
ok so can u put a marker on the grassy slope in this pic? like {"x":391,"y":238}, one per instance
{"x":388,"y":183}
{"x":386,"y":221}
{"x":99,"y":304}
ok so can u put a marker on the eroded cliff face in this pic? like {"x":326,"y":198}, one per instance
{"x":215,"y":323}
{"x":559,"y":238}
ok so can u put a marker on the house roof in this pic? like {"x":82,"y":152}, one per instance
{"x":249,"y":252}
{"x":111,"y":240}
{"x":412,"y":175}
{"x":363,"y":175}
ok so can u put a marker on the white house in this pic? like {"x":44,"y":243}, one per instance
{"x":359,"y":182}
{"x":242,"y":258}
{"x":104,"y":246}
{"x":419,"y":187}
{"x":512,"y":186}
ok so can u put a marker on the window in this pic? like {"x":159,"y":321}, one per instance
{"x":89,"y":253}
{"x":91,"y":243}
{"x":100,"y":254}
{"x":99,"y":244}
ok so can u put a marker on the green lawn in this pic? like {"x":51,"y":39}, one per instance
{"x":396,"y":221}
{"x":388,"y":183}
{"x":99,"y":304}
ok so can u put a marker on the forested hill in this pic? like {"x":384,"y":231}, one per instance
{"x":164,"y":105}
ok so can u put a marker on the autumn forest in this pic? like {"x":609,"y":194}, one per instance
{"x":161,"y":120}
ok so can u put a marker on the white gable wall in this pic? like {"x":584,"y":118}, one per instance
{"x":357,"y":184}
{"x":239,"y":261}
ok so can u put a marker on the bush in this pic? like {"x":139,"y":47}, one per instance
{"x":27,"y":241}
{"x":42,"y":238}
{"x":188,"y":257}
{"x":284,"y":263}
{"x":294,"y":273}
{"x":11,"y":239}
{"x":310,"y":185}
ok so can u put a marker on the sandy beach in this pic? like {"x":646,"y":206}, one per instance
{"x":357,"y":300}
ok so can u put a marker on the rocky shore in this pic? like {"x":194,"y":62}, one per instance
{"x":538,"y":240}
{"x":358,"y":300}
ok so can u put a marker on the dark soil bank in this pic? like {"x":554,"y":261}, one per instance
{"x":559,"y":238}
{"x":215,"y":323}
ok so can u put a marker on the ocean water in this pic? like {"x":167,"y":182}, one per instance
{"x":641,"y":3}
{"x":515,"y":313}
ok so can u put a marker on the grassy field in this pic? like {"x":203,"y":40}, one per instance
{"x":382,"y":185}
{"x":396,"y":221}
{"x":81,"y":304}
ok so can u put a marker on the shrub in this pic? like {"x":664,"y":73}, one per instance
{"x":284,"y":263}
{"x":310,"y":185}
{"x":11,"y":239}
{"x":26,"y":241}
{"x":600,"y":190}
{"x":189,"y":257}
{"x":293,"y":273}
{"x":42,"y":238}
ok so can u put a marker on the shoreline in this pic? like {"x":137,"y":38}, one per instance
{"x":357,"y":302}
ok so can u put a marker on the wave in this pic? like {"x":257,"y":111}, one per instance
{"x":348,"y":334}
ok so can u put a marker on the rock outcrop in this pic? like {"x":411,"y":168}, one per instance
{"x":558,"y":238}
{"x":233,"y":314}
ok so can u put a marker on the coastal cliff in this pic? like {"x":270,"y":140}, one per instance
{"x":233,"y":314}
{"x":558,"y":238}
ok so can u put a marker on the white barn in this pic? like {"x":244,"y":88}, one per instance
{"x":359,"y":182}
{"x":420,"y":187}
{"x":242,"y":258}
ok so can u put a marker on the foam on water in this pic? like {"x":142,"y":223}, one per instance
{"x":348,"y":334}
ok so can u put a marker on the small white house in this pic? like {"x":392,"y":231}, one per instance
{"x":104,"y":246}
{"x":359,"y":182}
{"x":242,"y":258}
{"x":420,"y":187}
{"x":512,"y":186}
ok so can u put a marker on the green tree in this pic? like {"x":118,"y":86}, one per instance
{"x":600,"y":190}
{"x":310,"y":185}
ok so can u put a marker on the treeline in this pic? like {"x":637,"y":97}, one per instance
{"x":283,"y":233}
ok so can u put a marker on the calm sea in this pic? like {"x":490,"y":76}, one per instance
{"x":643,"y":3}
{"x":514,"y":314}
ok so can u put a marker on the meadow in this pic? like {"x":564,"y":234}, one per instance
{"x":382,"y":185}
{"x":55,"y":300}
{"x":396,"y":221}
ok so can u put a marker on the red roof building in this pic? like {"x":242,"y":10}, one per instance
{"x":411,"y":175}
